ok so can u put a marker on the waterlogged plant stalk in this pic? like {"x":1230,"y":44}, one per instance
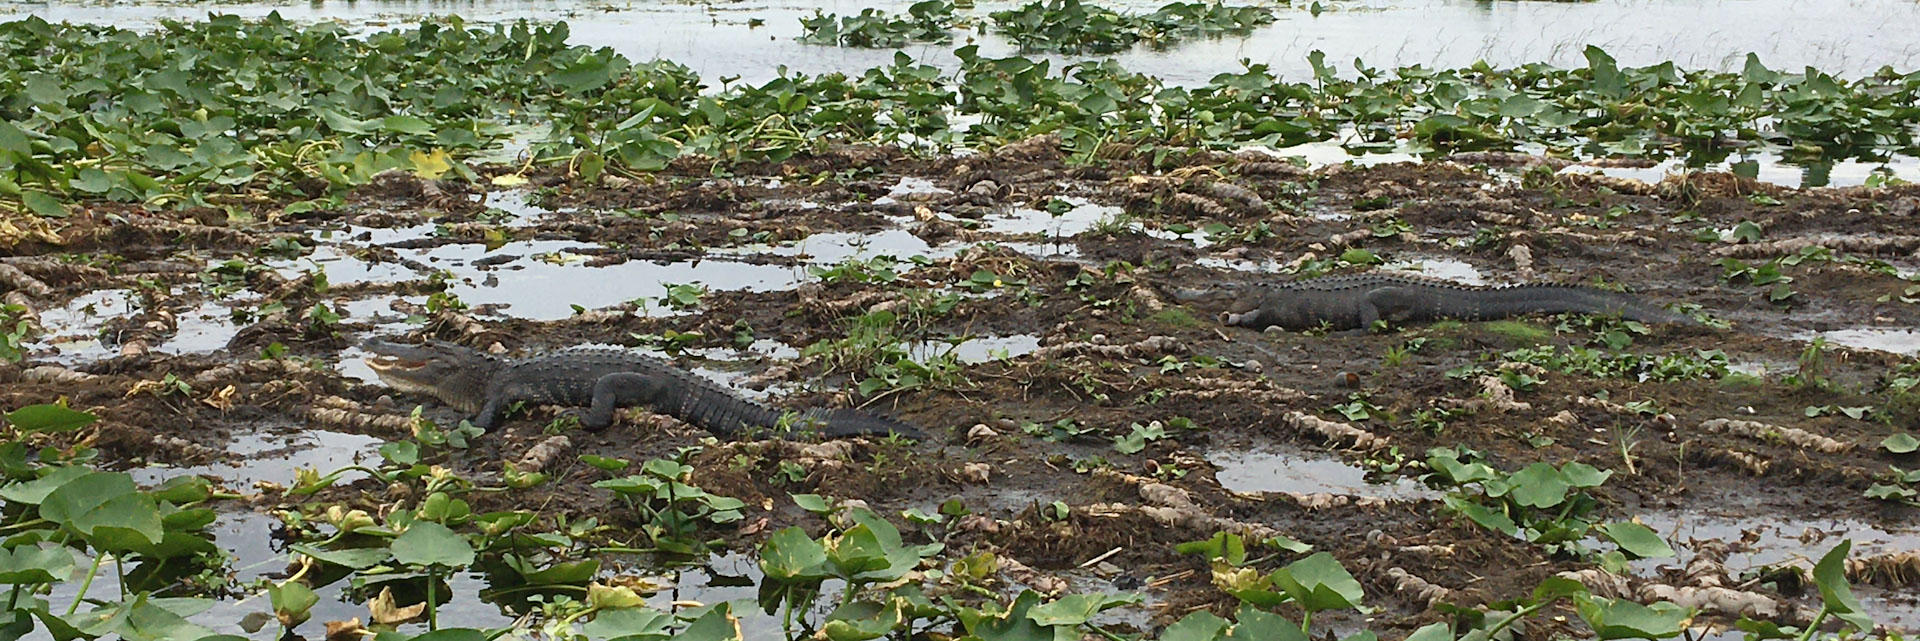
{"x":1103,"y":632}
{"x":1818,"y":618}
{"x":433,"y":615}
{"x":1521,"y":613}
{"x":84,"y":584}
{"x":23,"y":524}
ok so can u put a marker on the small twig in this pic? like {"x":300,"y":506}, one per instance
{"x":1096,"y":560}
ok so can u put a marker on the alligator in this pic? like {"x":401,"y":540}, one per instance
{"x":1353,"y":303}
{"x":601,"y":379}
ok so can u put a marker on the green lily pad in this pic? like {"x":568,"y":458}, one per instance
{"x":1636,"y":539}
{"x":426,"y":543}
{"x":49,"y":418}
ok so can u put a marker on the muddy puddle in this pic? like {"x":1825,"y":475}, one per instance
{"x":1758,"y":544}
{"x":1897,"y":340}
{"x":1298,"y":472}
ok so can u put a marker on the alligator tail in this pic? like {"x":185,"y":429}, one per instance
{"x":837,"y":423}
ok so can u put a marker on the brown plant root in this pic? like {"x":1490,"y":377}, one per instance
{"x":1736,"y":459}
{"x":1334,"y":431}
{"x":246,"y":370}
{"x":1766,"y":432}
{"x":1894,"y":244}
{"x":1419,"y":589}
{"x":1893,"y":570}
{"x":1145,"y":348}
{"x":14,"y":279}
{"x":341,"y":412}
{"x":1717,"y":600}
{"x":1509,"y":159}
{"x":1174,"y":507}
{"x":544,"y":454}
{"x":1245,"y":200}
{"x":1522,"y":257}
{"x":1318,"y":501}
{"x":1260,"y":391}
{"x":1020,"y":573}
{"x":55,"y":374}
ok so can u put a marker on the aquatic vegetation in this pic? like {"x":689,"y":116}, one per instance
{"x":119,"y":117}
{"x":929,"y":21}
{"x":1071,"y":26}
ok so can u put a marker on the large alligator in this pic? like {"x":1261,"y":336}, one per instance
{"x":601,"y":379}
{"x":1354,"y":302}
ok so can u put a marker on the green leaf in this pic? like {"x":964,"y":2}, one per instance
{"x":35,"y":492}
{"x":812,"y":503}
{"x":1200,"y":625}
{"x":717,"y":624}
{"x":1075,"y":609}
{"x":104,"y":500}
{"x":1623,"y":619}
{"x":49,"y":418}
{"x":1901,"y":443}
{"x":1012,"y":625}
{"x":30,"y":564}
{"x":563,"y":573}
{"x":1486,"y":518}
{"x":1254,"y":624}
{"x":405,"y":125}
{"x":1556,"y":587}
{"x":1319,"y":582}
{"x":1539,"y":486}
{"x":1583,"y":475}
{"x":1225,"y":546}
{"x":1830,"y":575}
{"x":357,"y":558}
{"x":444,"y":634}
{"x":604,"y":463}
{"x":628,"y":623}
{"x":427,"y":543}
{"x":588,"y":73}
{"x":43,"y":204}
{"x":864,"y":620}
{"x":92,"y":181}
{"x":181,"y":490}
{"x":1636,"y":539}
{"x":1432,"y":632}
{"x":292,"y":602}
{"x":791,"y":555}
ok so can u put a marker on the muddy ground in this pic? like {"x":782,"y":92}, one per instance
{"x":1089,"y":324}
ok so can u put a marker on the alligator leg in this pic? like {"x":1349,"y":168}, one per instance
{"x":489,"y":415}
{"x":620,"y":389}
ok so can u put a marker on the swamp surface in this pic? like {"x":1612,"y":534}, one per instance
{"x":1017,"y":293}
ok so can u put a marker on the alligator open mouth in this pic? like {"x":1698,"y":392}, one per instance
{"x":394,"y":364}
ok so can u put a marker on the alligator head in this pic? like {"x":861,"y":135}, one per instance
{"x":456,"y":375}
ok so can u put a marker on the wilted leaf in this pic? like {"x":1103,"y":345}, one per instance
{"x":382,"y":610}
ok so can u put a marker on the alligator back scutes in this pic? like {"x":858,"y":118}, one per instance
{"x":1373,"y":280}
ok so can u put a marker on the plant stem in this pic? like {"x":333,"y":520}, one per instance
{"x":84,"y":584}
{"x":433,"y":616}
{"x":120,"y":569}
{"x":1103,"y":632}
{"x":1818,"y":618}
{"x":1516,"y":616}
{"x":624,"y":550}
